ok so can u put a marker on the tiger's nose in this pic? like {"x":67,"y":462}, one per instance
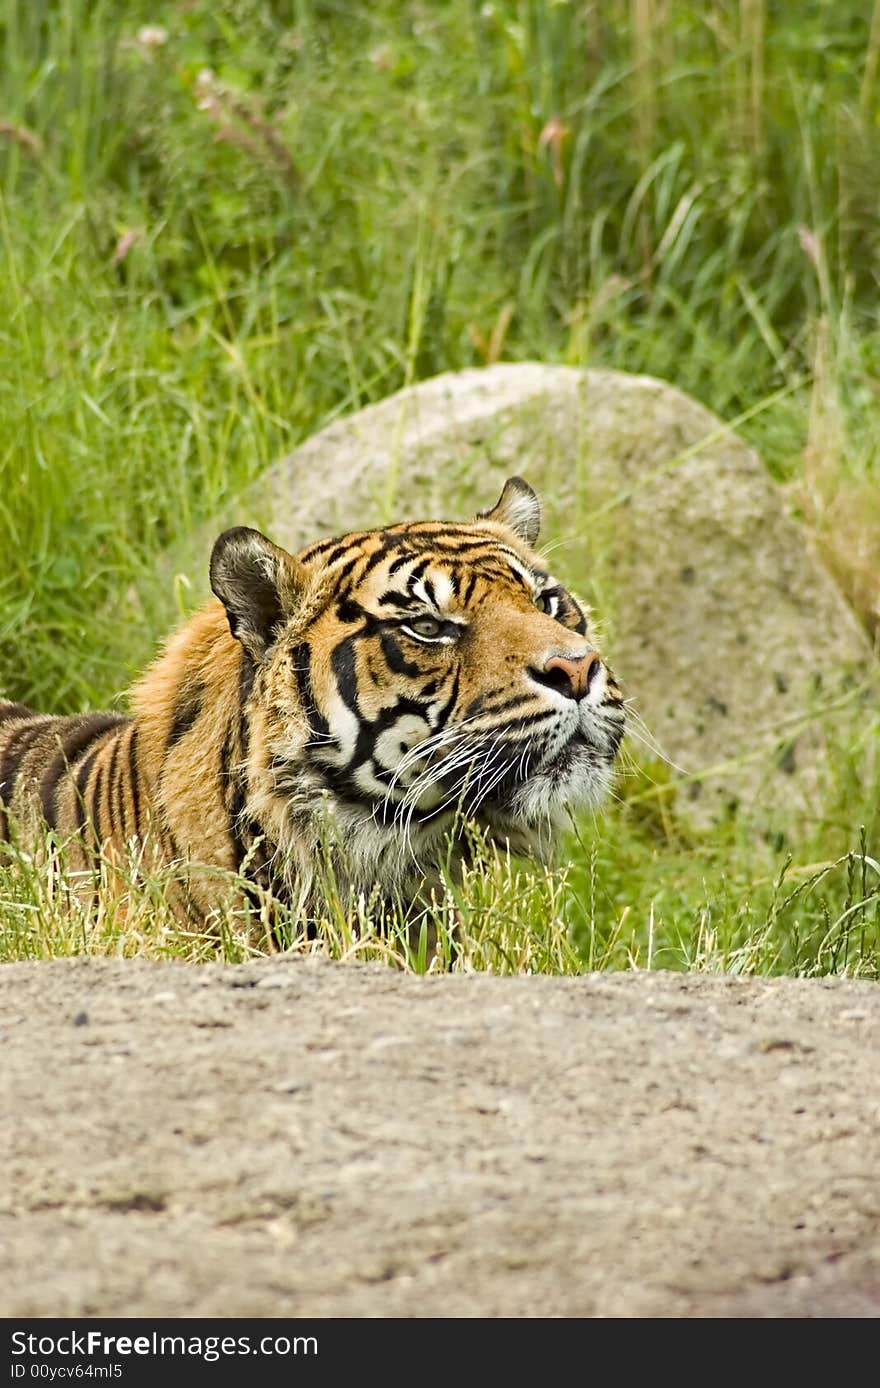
{"x":571,"y":675}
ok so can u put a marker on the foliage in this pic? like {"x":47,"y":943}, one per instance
{"x":222,"y":224}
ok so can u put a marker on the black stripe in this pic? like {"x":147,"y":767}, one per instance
{"x":117,"y":792}
{"x":390,"y":544}
{"x":422,"y":530}
{"x":492,"y":570}
{"x":74,"y":737}
{"x":81,"y":784}
{"x":226,"y":761}
{"x":169,"y":842}
{"x":186,"y":710}
{"x":347,"y":569}
{"x":233,"y":783}
{"x":470,"y":585}
{"x":397,"y":564}
{"x":527,"y":722}
{"x":244,"y":736}
{"x":342,"y":662}
{"x":245,"y":835}
{"x":484,"y":704}
{"x":369,"y":730}
{"x":418,"y":571}
{"x":239,"y":844}
{"x":302,"y":667}
{"x":133,"y":781}
{"x":247,"y":671}
{"x":448,"y":535}
{"x":404,"y":602}
{"x":117,"y":831}
{"x":395,"y":659}
{"x":481,"y":557}
{"x":350,"y":612}
{"x":13,"y":755}
{"x":328,"y":550}
{"x":95,"y":812}
{"x":82,"y":779}
{"x":444,"y":715}
{"x":10,"y":710}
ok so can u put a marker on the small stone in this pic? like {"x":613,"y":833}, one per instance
{"x":80,"y":1019}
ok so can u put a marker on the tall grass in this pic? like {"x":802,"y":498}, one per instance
{"x":605,"y":907}
{"x":223,"y":224}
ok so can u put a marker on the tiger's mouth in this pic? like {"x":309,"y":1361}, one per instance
{"x":518,"y":781}
{"x":574,"y":776}
{"x":578,"y":748}
{"x":517,"y":775}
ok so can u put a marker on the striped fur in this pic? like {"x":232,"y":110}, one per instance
{"x":370,"y":693}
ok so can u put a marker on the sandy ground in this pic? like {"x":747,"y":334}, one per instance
{"x":302,"y":1138}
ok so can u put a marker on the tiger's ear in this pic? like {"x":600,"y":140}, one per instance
{"x":258,"y":584}
{"x":519,"y":509}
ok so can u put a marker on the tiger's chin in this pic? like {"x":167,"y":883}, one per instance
{"x":529,"y":816}
{"x":525,"y":817}
{"x":578,"y":779}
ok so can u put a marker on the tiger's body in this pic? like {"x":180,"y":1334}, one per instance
{"x":384,"y":685}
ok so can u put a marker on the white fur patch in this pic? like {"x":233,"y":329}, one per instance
{"x":344,"y":727}
{"x":442,"y":589}
{"x":519,"y":567}
{"x":392,"y":745}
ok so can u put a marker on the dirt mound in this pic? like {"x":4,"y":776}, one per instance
{"x":295,"y":1137}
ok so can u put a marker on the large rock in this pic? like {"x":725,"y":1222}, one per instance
{"x":731,"y":640}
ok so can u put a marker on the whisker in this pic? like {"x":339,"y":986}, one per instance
{"x":643,"y":736}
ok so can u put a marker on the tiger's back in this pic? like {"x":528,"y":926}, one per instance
{"x":104,"y":781}
{"x":74,"y":774}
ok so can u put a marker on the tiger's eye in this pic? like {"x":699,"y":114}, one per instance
{"x":546,"y":602}
{"x":426,"y":626}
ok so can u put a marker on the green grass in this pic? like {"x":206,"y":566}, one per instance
{"x":616,"y":902}
{"x":197,"y":271}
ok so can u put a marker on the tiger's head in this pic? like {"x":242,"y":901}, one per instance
{"x":408,"y":675}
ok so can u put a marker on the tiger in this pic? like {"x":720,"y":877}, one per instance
{"x":395,"y":684}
